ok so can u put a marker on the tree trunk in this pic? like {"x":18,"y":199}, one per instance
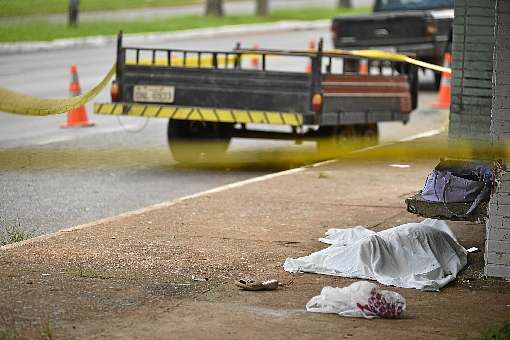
{"x":262,"y":8}
{"x":73,"y":11}
{"x":344,"y":3}
{"x":214,"y":8}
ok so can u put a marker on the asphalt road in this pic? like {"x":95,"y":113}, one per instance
{"x":52,"y":178}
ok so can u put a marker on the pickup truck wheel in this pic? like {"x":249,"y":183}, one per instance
{"x":437,"y":80}
{"x":351,"y":65}
{"x":194,"y":141}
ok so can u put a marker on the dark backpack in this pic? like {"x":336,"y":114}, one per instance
{"x":459,"y":182}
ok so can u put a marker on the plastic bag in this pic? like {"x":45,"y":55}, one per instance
{"x":360,"y":299}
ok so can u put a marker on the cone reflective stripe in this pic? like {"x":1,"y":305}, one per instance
{"x":74,"y":86}
{"x":445,"y":88}
{"x":76,"y":117}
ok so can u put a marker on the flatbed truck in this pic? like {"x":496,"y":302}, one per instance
{"x":210,"y":97}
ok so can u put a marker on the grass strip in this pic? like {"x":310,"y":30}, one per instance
{"x":13,"y":234}
{"x":10,"y":8}
{"x":498,"y":334}
{"x":89,"y":274}
{"x":44,"y":31}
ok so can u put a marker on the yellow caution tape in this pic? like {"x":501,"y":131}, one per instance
{"x":398,"y":57}
{"x":377,"y":54}
{"x":34,"y":106}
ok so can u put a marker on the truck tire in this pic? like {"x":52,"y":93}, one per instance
{"x":337,"y":140}
{"x":351,"y":66}
{"x":194,"y":141}
{"x":369,"y":134}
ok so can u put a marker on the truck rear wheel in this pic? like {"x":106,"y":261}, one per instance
{"x":193,"y":141}
{"x":336,"y":140}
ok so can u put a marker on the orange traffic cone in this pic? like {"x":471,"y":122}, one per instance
{"x":312,"y":46}
{"x":255,"y":58}
{"x":363,"y":66}
{"x":445,"y":88}
{"x":308,"y":68}
{"x":76,"y":117}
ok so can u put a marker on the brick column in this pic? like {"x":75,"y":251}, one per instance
{"x":497,"y":246}
{"x":472,"y":50}
{"x":480,"y":110}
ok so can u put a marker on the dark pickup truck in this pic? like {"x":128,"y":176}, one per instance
{"x":212,"y":96}
{"x":420,"y":27}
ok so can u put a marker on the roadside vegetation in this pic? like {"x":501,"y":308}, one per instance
{"x":13,"y":234}
{"x":10,"y":8}
{"x":45,"y":31}
{"x":17,"y":328}
{"x":89,"y":274}
{"x":500,"y":334}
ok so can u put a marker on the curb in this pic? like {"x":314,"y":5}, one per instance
{"x":222,"y":188}
{"x":141,"y":38}
{"x":162,"y":205}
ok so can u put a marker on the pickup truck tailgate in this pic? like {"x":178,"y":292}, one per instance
{"x":220,"y":88}
{"x":382,"y":29}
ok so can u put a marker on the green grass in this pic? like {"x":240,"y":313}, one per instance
{"x":13,"y":234}
{"x":89,"y":274}
{"x":13,"y":328}
{"x":36,"y":7}
{"x":500,"y":334}
{"x":44,"y":31}
{"x":45,"y":332}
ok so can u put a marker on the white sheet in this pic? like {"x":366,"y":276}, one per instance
{"x":422,"y":255}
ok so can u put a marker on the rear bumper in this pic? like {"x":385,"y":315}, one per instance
{"x":354,"y":118}
{"x":427,"y":51}
{"x":245,"y":117}
{"x":199,"y":113}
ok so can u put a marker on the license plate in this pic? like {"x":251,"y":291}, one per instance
{"x":153,"y":94}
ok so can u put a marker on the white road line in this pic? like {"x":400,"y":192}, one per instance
{"x":425,"y":134}
{"x":70,"y":137}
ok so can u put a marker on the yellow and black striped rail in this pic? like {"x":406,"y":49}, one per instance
{"x":199,"y":113}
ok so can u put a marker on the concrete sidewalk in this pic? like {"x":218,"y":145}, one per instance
{"x":167,"y":272}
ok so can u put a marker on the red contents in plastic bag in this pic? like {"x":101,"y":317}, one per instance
{"x":382,"y":307}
